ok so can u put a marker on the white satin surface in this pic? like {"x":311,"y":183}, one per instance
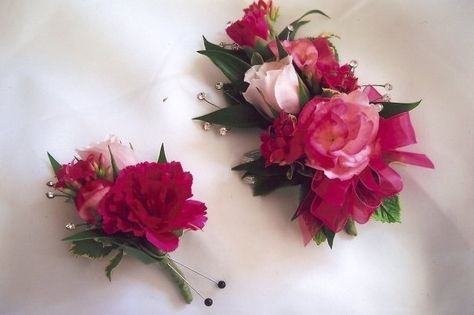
{"x":72,"y":72}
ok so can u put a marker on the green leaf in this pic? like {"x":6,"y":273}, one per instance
{"x":87,"y":235}
{"x":329,"y":235}
{"x":281,"y":51}
{"x":115,"y":169}
{"x":304,"y":190}
{"x":233,"y":94}
{"x":320,"y":237}
{"x":91,"y":248}
{"x":303,"y":92}
{"x":261,"y":47}
{"x":238,"y":116}
{"x":350,"y":227}
{"x":54,"y":164}
{"x":297,"y":24}
{"x":239,"y":53}
{"x":162,"y":157}
{"x":287,"y":35}
{"x":389,"y":210}
{"x":112,"y":264}
{"x":392,"y":109}
{"x":333,"y":47}
{"x":138,"y":254}
{"x":233,"y":67}
{"x":256,"y":59}
{"x":257,"y":167}
{"x":266,"y":184}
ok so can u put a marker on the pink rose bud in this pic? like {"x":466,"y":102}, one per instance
{"x":88,"y":198}
{"x":123,"y":154}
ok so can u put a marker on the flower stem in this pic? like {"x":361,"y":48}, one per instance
{"x":169,"y":266}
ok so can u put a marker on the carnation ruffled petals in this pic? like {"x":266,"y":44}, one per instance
{"x":253,"y":25}
{"x":151,"y":199}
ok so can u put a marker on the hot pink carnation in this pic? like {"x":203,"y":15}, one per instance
{"x":278,"y":142}
{"x":75,"y":174}
{"x":252,"y":26}
{"x":339,"y":134}
{"x":152,"y":200}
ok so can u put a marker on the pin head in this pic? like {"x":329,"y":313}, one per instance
{"x":50,"y":184}
{"x":221,"y":284}
{"x":50,"y":195}
{"x":208,"y":302}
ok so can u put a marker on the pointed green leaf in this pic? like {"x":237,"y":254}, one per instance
{"x":113,"y":263}
{"x":297,"y":24}
{"x":281,"y":51}
{"x":257,"y":167}
{"x":303,"y":92}
{"x":87,"y":235}
{"x":320,"y":237}
{"x":232,"y":67}
{"x":91,"y":248}
{"x":304,"y":190}
{"x":54,"y":164}
{"x":267,"y":184}
{"x":261,"y":46}
{"x":238,"y":116}
{"x":287,"y":35}
{"x":210,"y":46}
{"x":162,"y":157}
{"x":115,"y":169}
{"x":329,"y":235}
{"x":389,"y":211}
{"x":233,"y":94}
{"x":138,"y":254}
{"x":350,"y":227}
{"x":239,"y":53}
{"x":392,"y":109}
{"x":256,"y":59}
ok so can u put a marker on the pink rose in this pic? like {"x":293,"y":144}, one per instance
{"x":252,"y":26}
{"x":88,"y":198}
{"x":123,"y":154}
{"x":317,"y":60}
{"x":339,"y":134}
{"x":303,"y":51}
{"x":273,"y":87}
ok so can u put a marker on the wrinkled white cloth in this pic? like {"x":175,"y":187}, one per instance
{"x":72,"y":72}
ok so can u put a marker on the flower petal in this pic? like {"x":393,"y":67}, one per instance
{"x":167,"y":242}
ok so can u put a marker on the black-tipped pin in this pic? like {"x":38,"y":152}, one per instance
{"x":220,"y":284}
{"x":207,"y":301}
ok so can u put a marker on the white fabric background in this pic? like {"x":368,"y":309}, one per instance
{"x":72,"y":72}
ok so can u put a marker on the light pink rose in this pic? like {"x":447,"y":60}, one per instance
{"x":273,"y":87}
{"x":339,"y":134}
{"x":123,"y":154}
